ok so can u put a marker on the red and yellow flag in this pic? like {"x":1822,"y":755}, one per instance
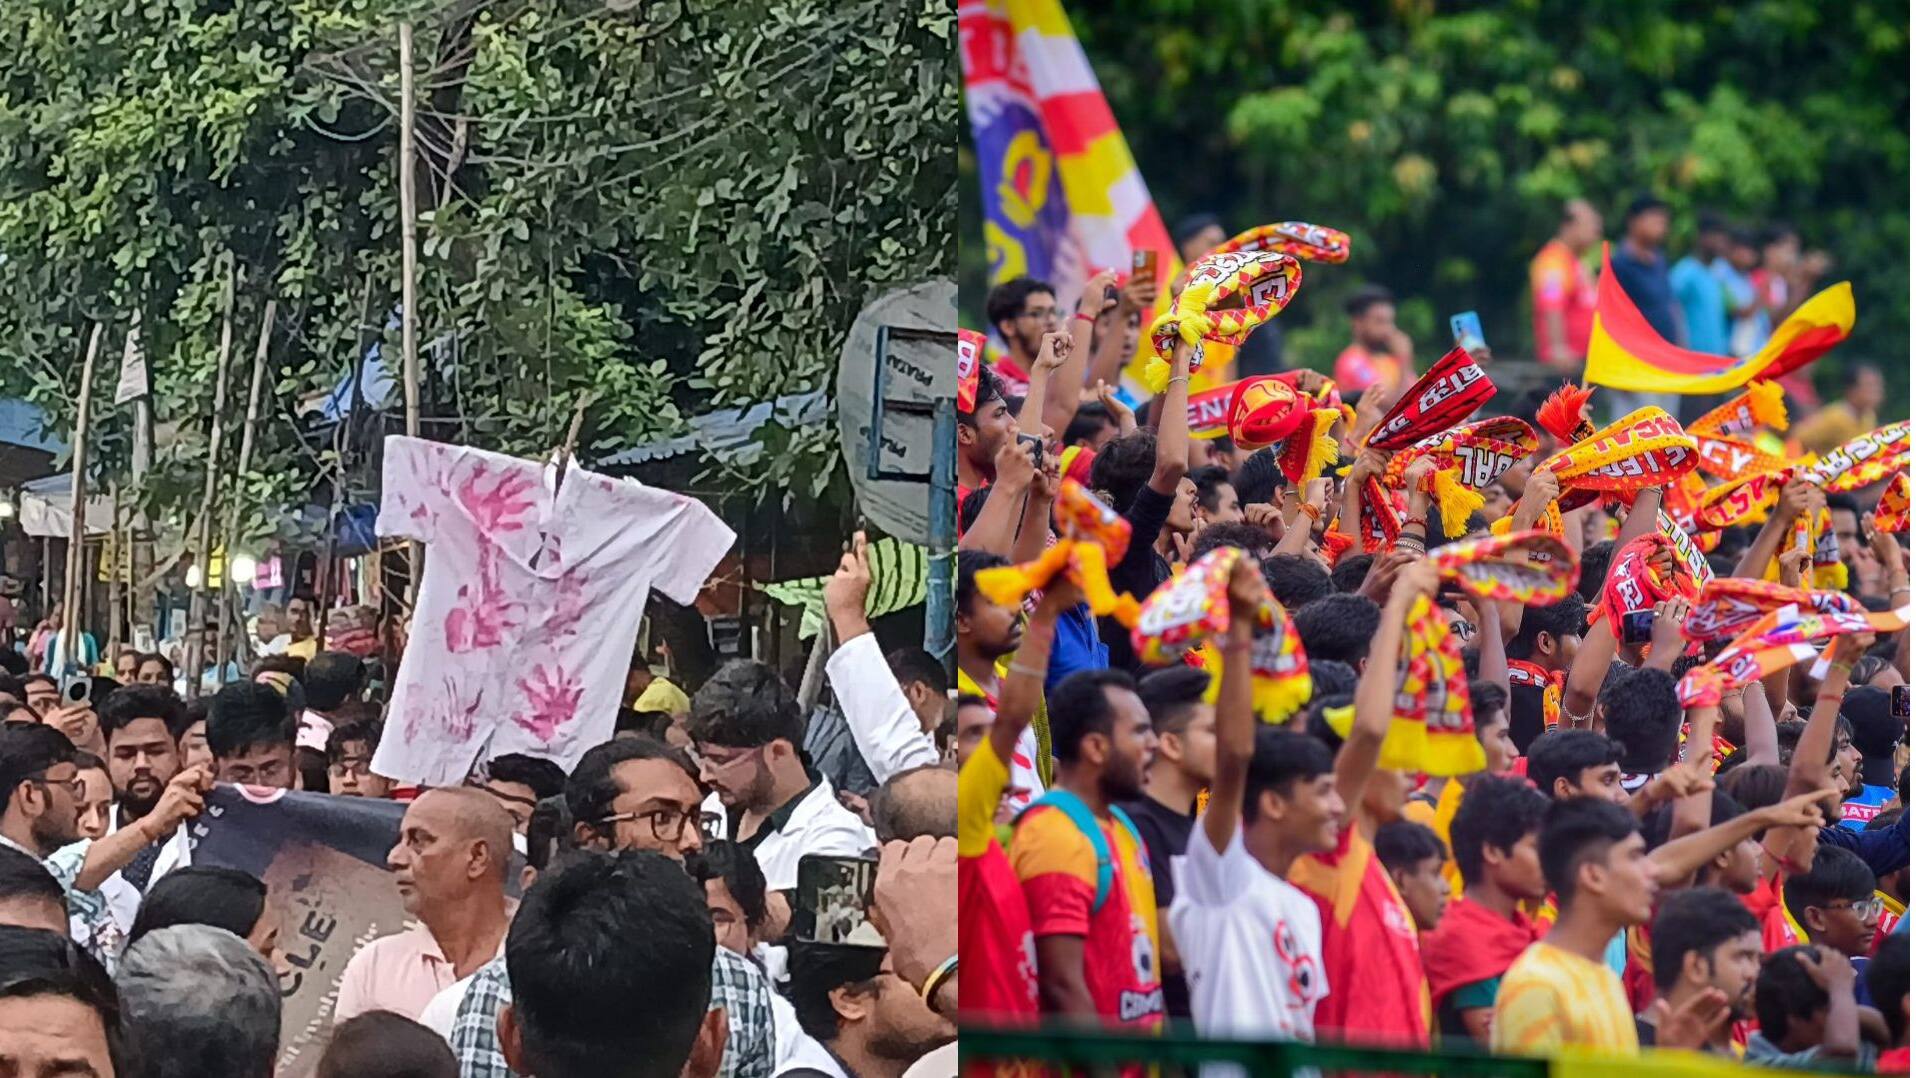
{"x":1626,"y":353}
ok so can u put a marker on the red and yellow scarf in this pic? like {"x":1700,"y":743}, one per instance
{"x":971,"y":351}
{"x":1645,"y":571}
{"x":1783,"y":637}
{"x":1442,"y":397}
{"x":1892,"y":511}
{"x":1864,"y":460}
{"x":1194,"y":605}
{"x":1311,"y":243}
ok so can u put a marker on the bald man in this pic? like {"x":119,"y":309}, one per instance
{"x":917,"y":801}
{"x":450,"y":866}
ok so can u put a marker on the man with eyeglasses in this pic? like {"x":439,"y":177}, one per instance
{"x":746,"y":725}
{"x":251,"y":733}
{"x":1835,"y":904}
{"x":42,"y":789}
{"x":632,"y":793}
{"x":1022,"y":310}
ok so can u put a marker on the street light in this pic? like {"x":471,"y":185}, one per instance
{"x":192,"y":576}
{"x":244,"y":568}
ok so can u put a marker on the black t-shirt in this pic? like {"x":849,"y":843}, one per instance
{"x":1140,"y":571}
{"x":1526,"y":716}
{"x":1165,"y":832}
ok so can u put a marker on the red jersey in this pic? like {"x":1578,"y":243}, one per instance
{"x":995,"y":947}
{"x":1059,"y":871}
{"x":1379,"y":994}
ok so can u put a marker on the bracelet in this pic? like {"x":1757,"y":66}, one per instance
{"x":1221,"y":644}
{"x":1311,"y":511}
{"x":1085,"y":317}
{"x":1179,"y":378}
{"x":1020,"y":668}
{"x":946,"y":971}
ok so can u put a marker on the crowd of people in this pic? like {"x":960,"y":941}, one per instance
{"x":1646,"y":846}
{"x":628,"y":916}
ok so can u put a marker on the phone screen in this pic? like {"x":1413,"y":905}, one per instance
{"x":1899,"y":701}
{"x":1467,"y":330}
{"x":1637,"y":625}
{"x":833,"y":901}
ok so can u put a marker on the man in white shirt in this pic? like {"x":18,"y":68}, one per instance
{"x":1252,"y":944}
{"x":746,"y":725}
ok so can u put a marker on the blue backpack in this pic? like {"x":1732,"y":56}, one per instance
{"x":1086,"y":822}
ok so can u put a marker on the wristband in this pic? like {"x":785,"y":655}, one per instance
{"x":1020,"y":668}
{"x":1085,"y":317}
{"x":1311,"y":511}
{"x":945,"y":971}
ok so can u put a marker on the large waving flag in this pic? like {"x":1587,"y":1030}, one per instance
{"x":1063,"y":198}
{"x":1626,"y":353}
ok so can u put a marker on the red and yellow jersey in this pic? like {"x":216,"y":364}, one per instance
{"x":1058,"y":869}
{"x":1379,"y":993}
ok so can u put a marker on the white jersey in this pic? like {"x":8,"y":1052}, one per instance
{"x":1252,"y":944}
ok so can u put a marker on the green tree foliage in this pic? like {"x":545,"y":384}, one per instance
{"x":674,"y":205}
{"x":1444,"y":137}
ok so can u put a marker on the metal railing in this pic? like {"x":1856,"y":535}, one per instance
{"x":1042,"y":1050}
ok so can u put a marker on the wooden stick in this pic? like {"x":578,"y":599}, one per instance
{"x":115,"y":549}
{"x":228,"y":586}
{"x":203,"y":535}
{"x":71,"y":628}
{"x":409,"y":269}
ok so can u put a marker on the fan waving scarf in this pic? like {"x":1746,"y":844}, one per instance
{"x":1270,"y":411}
{"x":1729,"y":606}
{"x":1863,"y":460}
{"x":1442,"y":397}
{"x":1224,"y":299}
{"x":1311,"y":243}
{"x":1646,"y":448}
{"x":1192,"y":607}
{"x":971,"y":348}
{"x":1892,"y":511}
{"x":1432,"y":730}
{"x":1091,"y":538}
{"x":1469,"y":458}
{"x":1645,"y":572}
{"x":1783,"y":637}
{"x":1626,"y":353}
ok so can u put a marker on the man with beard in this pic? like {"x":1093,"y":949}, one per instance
{"x":860,"y":1018}
{"x":1086,"y":878}
{"x":41,"y":818}
{"x":143,"y":724}
{"x":1022,"y":310}
{"x":1703,"y":942}
{"x":746,"y":724}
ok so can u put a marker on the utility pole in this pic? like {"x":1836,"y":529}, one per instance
{"x":228,"y":586}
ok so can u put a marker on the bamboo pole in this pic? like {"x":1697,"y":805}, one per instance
{"x":203,"y":527}
{"x":229,"y":588}
{"x":72,"y":627}
{"x":409,"y":269}
{"x":115,"y":549}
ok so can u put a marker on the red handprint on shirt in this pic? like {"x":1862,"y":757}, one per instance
{"x":500,"y":507}
{"x":552,"y":698}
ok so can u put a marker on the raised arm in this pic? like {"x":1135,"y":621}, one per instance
{"x":882,"y":722}
{"x":1054,"y":351}
{"x":1067,"y":382}
{"x":1809,"y":766}
{"x":1023,"y":688}
{"x":1797,"y":498}
{"x":1174,"y":425}
{"x":1377,"y":685}
{"x":1760,"y":745}
{"x":1677,"y":860}
{"x":996,"y":529}
{"x":1236,"y":734}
